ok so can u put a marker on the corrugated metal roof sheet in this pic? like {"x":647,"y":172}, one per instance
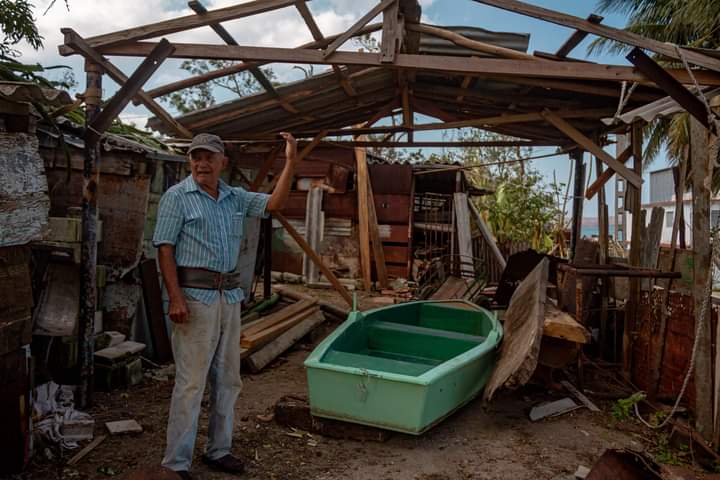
{"x":663,"y":107}
{"x":437,"y":46}
{"x":30,"y":92}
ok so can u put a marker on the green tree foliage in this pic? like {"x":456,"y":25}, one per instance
{"x":17,"y":24}
{"x":693,"y":23}
{"x":203,"y":95}
{"x":523,"y":206}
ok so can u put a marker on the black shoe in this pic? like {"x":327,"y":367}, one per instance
{"x":184,"y":474}
{"x":227,"y":464}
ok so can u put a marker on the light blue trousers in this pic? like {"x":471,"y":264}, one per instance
{"x":208,"y":343}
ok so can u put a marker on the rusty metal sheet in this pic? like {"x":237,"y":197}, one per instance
{"x":391,"y":179}
{"x":122,"y":204}
{"x":625,"y":465}
{"x":392,"y":208}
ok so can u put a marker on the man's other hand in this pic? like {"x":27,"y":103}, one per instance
{"x":178,"y":311}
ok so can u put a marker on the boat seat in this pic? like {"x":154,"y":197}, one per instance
{"x":433,"y":332}
{"x":380,"y":364}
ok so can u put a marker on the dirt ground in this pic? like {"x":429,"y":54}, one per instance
{"x":478,"y":442}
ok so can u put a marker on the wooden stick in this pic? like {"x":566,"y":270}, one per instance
{"x":578,"y":137}
{"x":374,"y":12}
{"x":607,"y":174}
{"x":314,"y":257}
{"x":577,"y":37}
{"x":88,"y":448}
{"x":363,"y":217}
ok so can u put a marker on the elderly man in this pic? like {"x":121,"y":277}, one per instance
{"x":199,"y":229}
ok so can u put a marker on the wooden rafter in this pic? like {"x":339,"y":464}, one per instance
{"x":352,"y":31}
{"x":79,"y":44}
{"x":615,"y":34}
{"x":466,"y":81}
{"x":223,"y":72}
{"x":129,"y":89}
{"x":581,"y":87}
{"x":264,"y":169}
{"x":307,"y":16}
{"x":485,"y":67}
{"x":182,"y":23}
{"x":607,"y":174}
{"x":578,"y":137}
{"x":577,"y":37}
{"x":429,"y":144}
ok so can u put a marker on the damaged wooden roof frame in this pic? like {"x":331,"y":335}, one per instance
{"x":553,"y":99}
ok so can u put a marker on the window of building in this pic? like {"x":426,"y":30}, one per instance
{"x":621,"y":202}
{"x":669,"y":219}
{"x":714,"y":218}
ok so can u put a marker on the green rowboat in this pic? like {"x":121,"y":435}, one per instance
{"x":403,"y":367}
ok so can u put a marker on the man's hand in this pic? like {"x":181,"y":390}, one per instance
{"x":290,"y":145}
{"x":178,"y":311}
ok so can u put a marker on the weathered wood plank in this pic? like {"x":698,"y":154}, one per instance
{"x":523,"y":327}
{"x":314,"y":228}
{"x":377,"y":246}
{"x":363,"y":216}
{"x":606,"y":175}
{"x":263,"y":357}
{"x":462,"y":223}
{"x":270,"y":333}
{"x":374,"y":12}
{"x":702,"y":169}
{"x":484,"y":67}
{"x":559,"y":324}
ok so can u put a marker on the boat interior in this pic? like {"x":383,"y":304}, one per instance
{"x":410,"y":339}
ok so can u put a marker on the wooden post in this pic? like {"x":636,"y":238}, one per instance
{"x":603,"y":258}
{"x":701,"y":175}
{"x":88,"y":252}
{"x":363,"y":216}
{"x":314,"y":257}
{"x":634,"y":194}
{"x":577,"y":212}
{"x":266,"y":225}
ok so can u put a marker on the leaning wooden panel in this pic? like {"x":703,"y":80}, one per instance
{"x":523,"y":326}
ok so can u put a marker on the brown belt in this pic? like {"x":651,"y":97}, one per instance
{"x":207,"y":279}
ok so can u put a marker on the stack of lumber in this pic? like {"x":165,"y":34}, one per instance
{"x":265,"y":339}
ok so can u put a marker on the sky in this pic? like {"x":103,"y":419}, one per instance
{"x":285,"y":28}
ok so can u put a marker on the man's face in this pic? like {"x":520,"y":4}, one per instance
{"x":206,"y":166}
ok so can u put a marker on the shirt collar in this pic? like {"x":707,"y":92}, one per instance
{"x":190,"y":185}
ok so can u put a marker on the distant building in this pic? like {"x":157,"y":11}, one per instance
{"x":662,"y":194}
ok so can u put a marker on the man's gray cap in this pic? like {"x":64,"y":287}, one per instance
{"x":207,"y":141}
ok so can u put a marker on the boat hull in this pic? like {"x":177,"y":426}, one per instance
{"x":403,"y":367}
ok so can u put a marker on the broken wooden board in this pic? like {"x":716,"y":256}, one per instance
{"x":268,"y":334}
{"x":265,"y":355}
{"x":87,"y":449}
{"x":294,"y":412}
{"x":523,"y":329}
{"x":123,"y":426}
{"x":330,"y":308}
{"x":277,"y":317}
{"x":561,"y":325}
{"x":120,"y":351}
{"x":453,"y":287}
{"x":580,"y":396}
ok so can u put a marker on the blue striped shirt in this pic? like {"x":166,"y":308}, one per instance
{"x":206,"y":232}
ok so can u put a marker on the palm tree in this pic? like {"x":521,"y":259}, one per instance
{"x":692,"y":23}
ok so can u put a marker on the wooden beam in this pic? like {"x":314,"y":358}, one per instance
{"x":577,"y":204}
{"x":467,"y":79}
{"x":200,"y":9}
{"x":702,"y":170}
{"x":79,"y":44}
{"x":223,"y":72}
{"x":672,"y":87}
{"x":623,"y":36}
{"x":586,"y":88}
{"x":470,"y":44}
{"x":182,"y":23}
{"x":363,"y":216}
{"x":407,"y":113}
{"x":606,"y":175}
{"x":577,"y":37}
{"x":482,"y":67}
{"x":377,"y":247}
{"x":578,"y":137}
{"x":264,"y":169}
{"x":128,"y":90}
{"x":314,"y":257}
{"x":311,"y":146}
{"x":307,"y":16}
{"x":374,"y":12}
{"x":392,"y":33}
